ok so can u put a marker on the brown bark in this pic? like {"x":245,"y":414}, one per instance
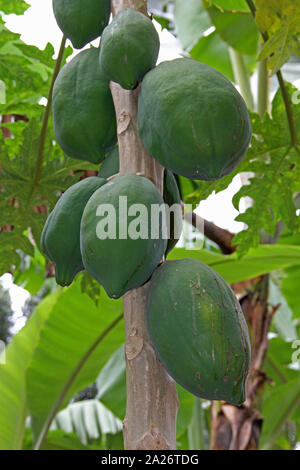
{"x":223,"y":238}
{"x":152,"y":404}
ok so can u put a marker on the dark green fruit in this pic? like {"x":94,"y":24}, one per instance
{"x":60,"y":239}
{"x":171,"y":195}
{"x":193,"y":120}
{"x":117,"y":260}
{"x":111,"y":164}
{"x":198,"y":330}
{"x":83,"y":110}
{"x":129,"y":48}
{"x":81,"y":20}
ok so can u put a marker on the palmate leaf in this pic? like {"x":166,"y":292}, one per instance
{"x":26,"y":72}
{"x":281,"y":20}
{"x":235,"y":28}
{"x":276,"y":164}
{"x":18,"y":7}
{"x":20,"y":196}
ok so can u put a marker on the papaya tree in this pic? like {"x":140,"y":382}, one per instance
{"x":136,"y":343}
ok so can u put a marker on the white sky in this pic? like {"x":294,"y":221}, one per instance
{"x":38,"y":27}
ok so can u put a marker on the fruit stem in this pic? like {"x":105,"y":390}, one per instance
{"x":241,"y":77}
{"x":263,"y":88}
{"x":47,"y":114}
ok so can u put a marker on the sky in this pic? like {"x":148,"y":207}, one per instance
{"x":38,"y":27}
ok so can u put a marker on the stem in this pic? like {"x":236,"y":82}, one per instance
{"x":263,"y":89}
{"x":288,"y":109}
{"x":241,"y":77}
{"x":195,"y":430}
{"x":47,"y":114}
{"x":287,"y":104}
{"x":152,"y":403}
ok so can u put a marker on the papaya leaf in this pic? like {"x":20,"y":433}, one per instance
{"x":281,"y":21}
{"x":232,"y":5}
{"x":18,"y":7}
{"x":213,"y":51}
{"x":237,"y":29}
{"x":191,"y":21}
{"x":20,"y":196}
{"x":26,"y":72}
{"x":275,"y":164}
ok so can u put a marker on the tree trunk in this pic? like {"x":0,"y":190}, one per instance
{"x":152,"y":403}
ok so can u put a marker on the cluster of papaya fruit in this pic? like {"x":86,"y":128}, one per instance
{"x":195,"y":123}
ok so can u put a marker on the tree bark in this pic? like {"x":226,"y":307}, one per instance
{"x":152,"y":403}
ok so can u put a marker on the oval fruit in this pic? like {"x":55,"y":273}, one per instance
{"x":117,"y":247}
{"x":60,"y":239}
{"x":171,"y":194}
{"x":81,"y":20}
{"x":129,"y":48}
{"x":198,"y":330}
{"x":193,"y":120}
{"x":83,"y":110}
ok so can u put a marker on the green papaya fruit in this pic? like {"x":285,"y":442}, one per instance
{"x":199,"y":331}
{"x":60,"y":240}
{"x":117,"y":247}
{"x":193,"y":120}
{"x":129,"y":48}
{"x":83,"y":110}
{"x":81,"y":20}
{"x":111,"y":165}
{"x":171,"y":194}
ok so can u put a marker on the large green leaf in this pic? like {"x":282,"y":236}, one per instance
{"x":18,"y":7}
{"x":277,"y":408}
{"x":281,"y":21}
{"x":237,"y":29}
{"x":275,"y":164}
{"x":111,"y":384}
{"x":213,"y":51}
{"x":76,"y":341}
{"x":282,"y":320}
{"x":290,"y":289}
{"x":232,"y":5}
{"x":258,"y":261}
{"x":191,"y":20}
{"x":278,"y":360}
{"x":13,"y":400}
